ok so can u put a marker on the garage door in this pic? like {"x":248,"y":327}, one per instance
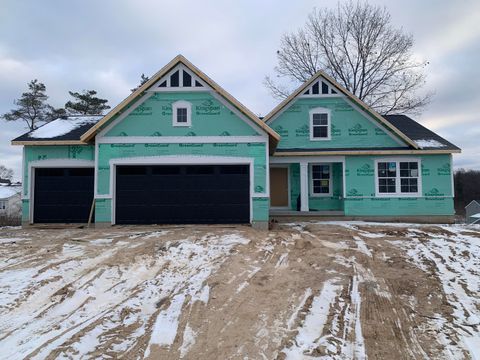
{"x":187,"y":194}
{"x":63,"y":195}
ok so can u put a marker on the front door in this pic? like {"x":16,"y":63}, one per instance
{"x":279,"y":186}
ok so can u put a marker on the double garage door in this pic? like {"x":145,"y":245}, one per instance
{"x":163,"y":194}
{"x":187,"y":194}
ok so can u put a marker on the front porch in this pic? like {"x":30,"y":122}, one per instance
{"x":307,"y":186}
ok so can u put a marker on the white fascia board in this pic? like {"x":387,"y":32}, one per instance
{"x":180,"y":139}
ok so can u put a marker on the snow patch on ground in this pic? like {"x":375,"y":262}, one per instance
{"x":311,"y":330}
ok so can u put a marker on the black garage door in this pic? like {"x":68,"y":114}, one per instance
{"x":63,"y":195}
{"x":188,"y":194}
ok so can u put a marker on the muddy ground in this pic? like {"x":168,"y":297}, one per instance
{"x":327,"y":290}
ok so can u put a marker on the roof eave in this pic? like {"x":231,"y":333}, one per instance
{"x":364,"y":152}
{"x":49,"y":142}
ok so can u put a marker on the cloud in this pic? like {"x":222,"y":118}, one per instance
{"x":76,"y":45}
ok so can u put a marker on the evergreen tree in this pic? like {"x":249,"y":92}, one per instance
{"x":143,"y":79}
{"x":86,"y":103}
{"x":32,"y":107}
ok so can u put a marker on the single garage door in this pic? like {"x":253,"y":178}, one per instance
{"x":63,"y":195}
{"x":182,"y":194}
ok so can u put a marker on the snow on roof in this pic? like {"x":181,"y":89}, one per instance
{"x":8,"y":191}
{"x":61,"y":127}
{"x":476,"y":216}
{"x":429,"y":143}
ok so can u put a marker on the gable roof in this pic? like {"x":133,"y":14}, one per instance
{"x":269,"y":117}
{"x":472,"y":202}
{"x":179,"y":59}
{"x":423,"y":137}
{"x":60,"y":131}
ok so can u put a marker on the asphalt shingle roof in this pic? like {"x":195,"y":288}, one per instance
{"x":71,"y":128}
{"x":424,"y":137}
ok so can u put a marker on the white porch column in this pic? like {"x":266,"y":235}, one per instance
{"x":304,"y":186}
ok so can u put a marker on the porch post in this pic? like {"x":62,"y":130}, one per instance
{"x":304,"y":186}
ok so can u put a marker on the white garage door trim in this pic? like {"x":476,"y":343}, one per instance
{"x":181,"y":160}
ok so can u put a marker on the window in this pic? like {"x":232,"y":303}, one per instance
{"x":319,"y":124}
{"x":397,"y":177}
{"x":182,"y":113}
{"x":321,"y":184}
{"x":3,"y":204}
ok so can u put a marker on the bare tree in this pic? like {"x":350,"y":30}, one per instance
{"x":6,"y":173}
{"x":357,"y":45}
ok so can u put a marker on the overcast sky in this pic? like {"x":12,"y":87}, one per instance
{"x":106,"y":45}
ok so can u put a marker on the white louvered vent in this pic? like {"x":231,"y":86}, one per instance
{"x":179,"y":78}
{"x":320,"y":88}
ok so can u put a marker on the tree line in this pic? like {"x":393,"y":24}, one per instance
{"x":467,"y":188}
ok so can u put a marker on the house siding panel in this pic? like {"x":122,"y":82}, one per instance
{"x":154,"y":118}
{"x":436,"y":197}
{"x":350,"y":128}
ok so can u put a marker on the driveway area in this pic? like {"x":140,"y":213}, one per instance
{"x":312,"y":290}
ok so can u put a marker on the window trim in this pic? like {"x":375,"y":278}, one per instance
{"x":3,"y":205}
{"x":321,"y":110}
{"x":179,"y":105}
{"x":310,"y":170}
{"x":397,"y":178}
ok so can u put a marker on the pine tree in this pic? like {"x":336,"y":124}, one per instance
{"x":32,"y":107}
{"x":86,"y":103}
{"x":143,"y":79}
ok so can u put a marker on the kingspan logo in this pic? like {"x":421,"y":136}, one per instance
{"x":280,"y":130}
{"x":157,"y":133}
{"x":336,"y":131}
{"x":354,"y":193}
{"x":259,"y":189}
{"x":365,"y":170}
{"x":142,"y":110}
{"x":208,"y":107}
{"x":302,"y":131}
{"x":434,"y":192}
{"x":74,"y":150}
{"x":444,"y":169}
{"x":379,"y":131}
{"x":225,"y":133}
{"x":357,"y":130}
{"x":425,"y":171}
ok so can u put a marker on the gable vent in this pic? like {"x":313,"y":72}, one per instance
{"x":180,"y":78}
{"x":320,"y":88}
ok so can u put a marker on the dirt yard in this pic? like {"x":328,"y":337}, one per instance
{"x":315,"y":290}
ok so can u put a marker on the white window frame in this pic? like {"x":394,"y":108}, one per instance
{"x":397,"y":178}
{"x":181,"y":104}
{"x":320,"y":110}
{"x":330,"y":168}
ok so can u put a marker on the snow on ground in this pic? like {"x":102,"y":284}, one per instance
{"x":309,"y":290}
{"x":454,"y":255}
{"x":73,"y":305}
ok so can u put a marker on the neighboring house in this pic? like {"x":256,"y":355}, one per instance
{"x":180,"y":149}
{"x":10,"y":202}
{"x":472,"y":212}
